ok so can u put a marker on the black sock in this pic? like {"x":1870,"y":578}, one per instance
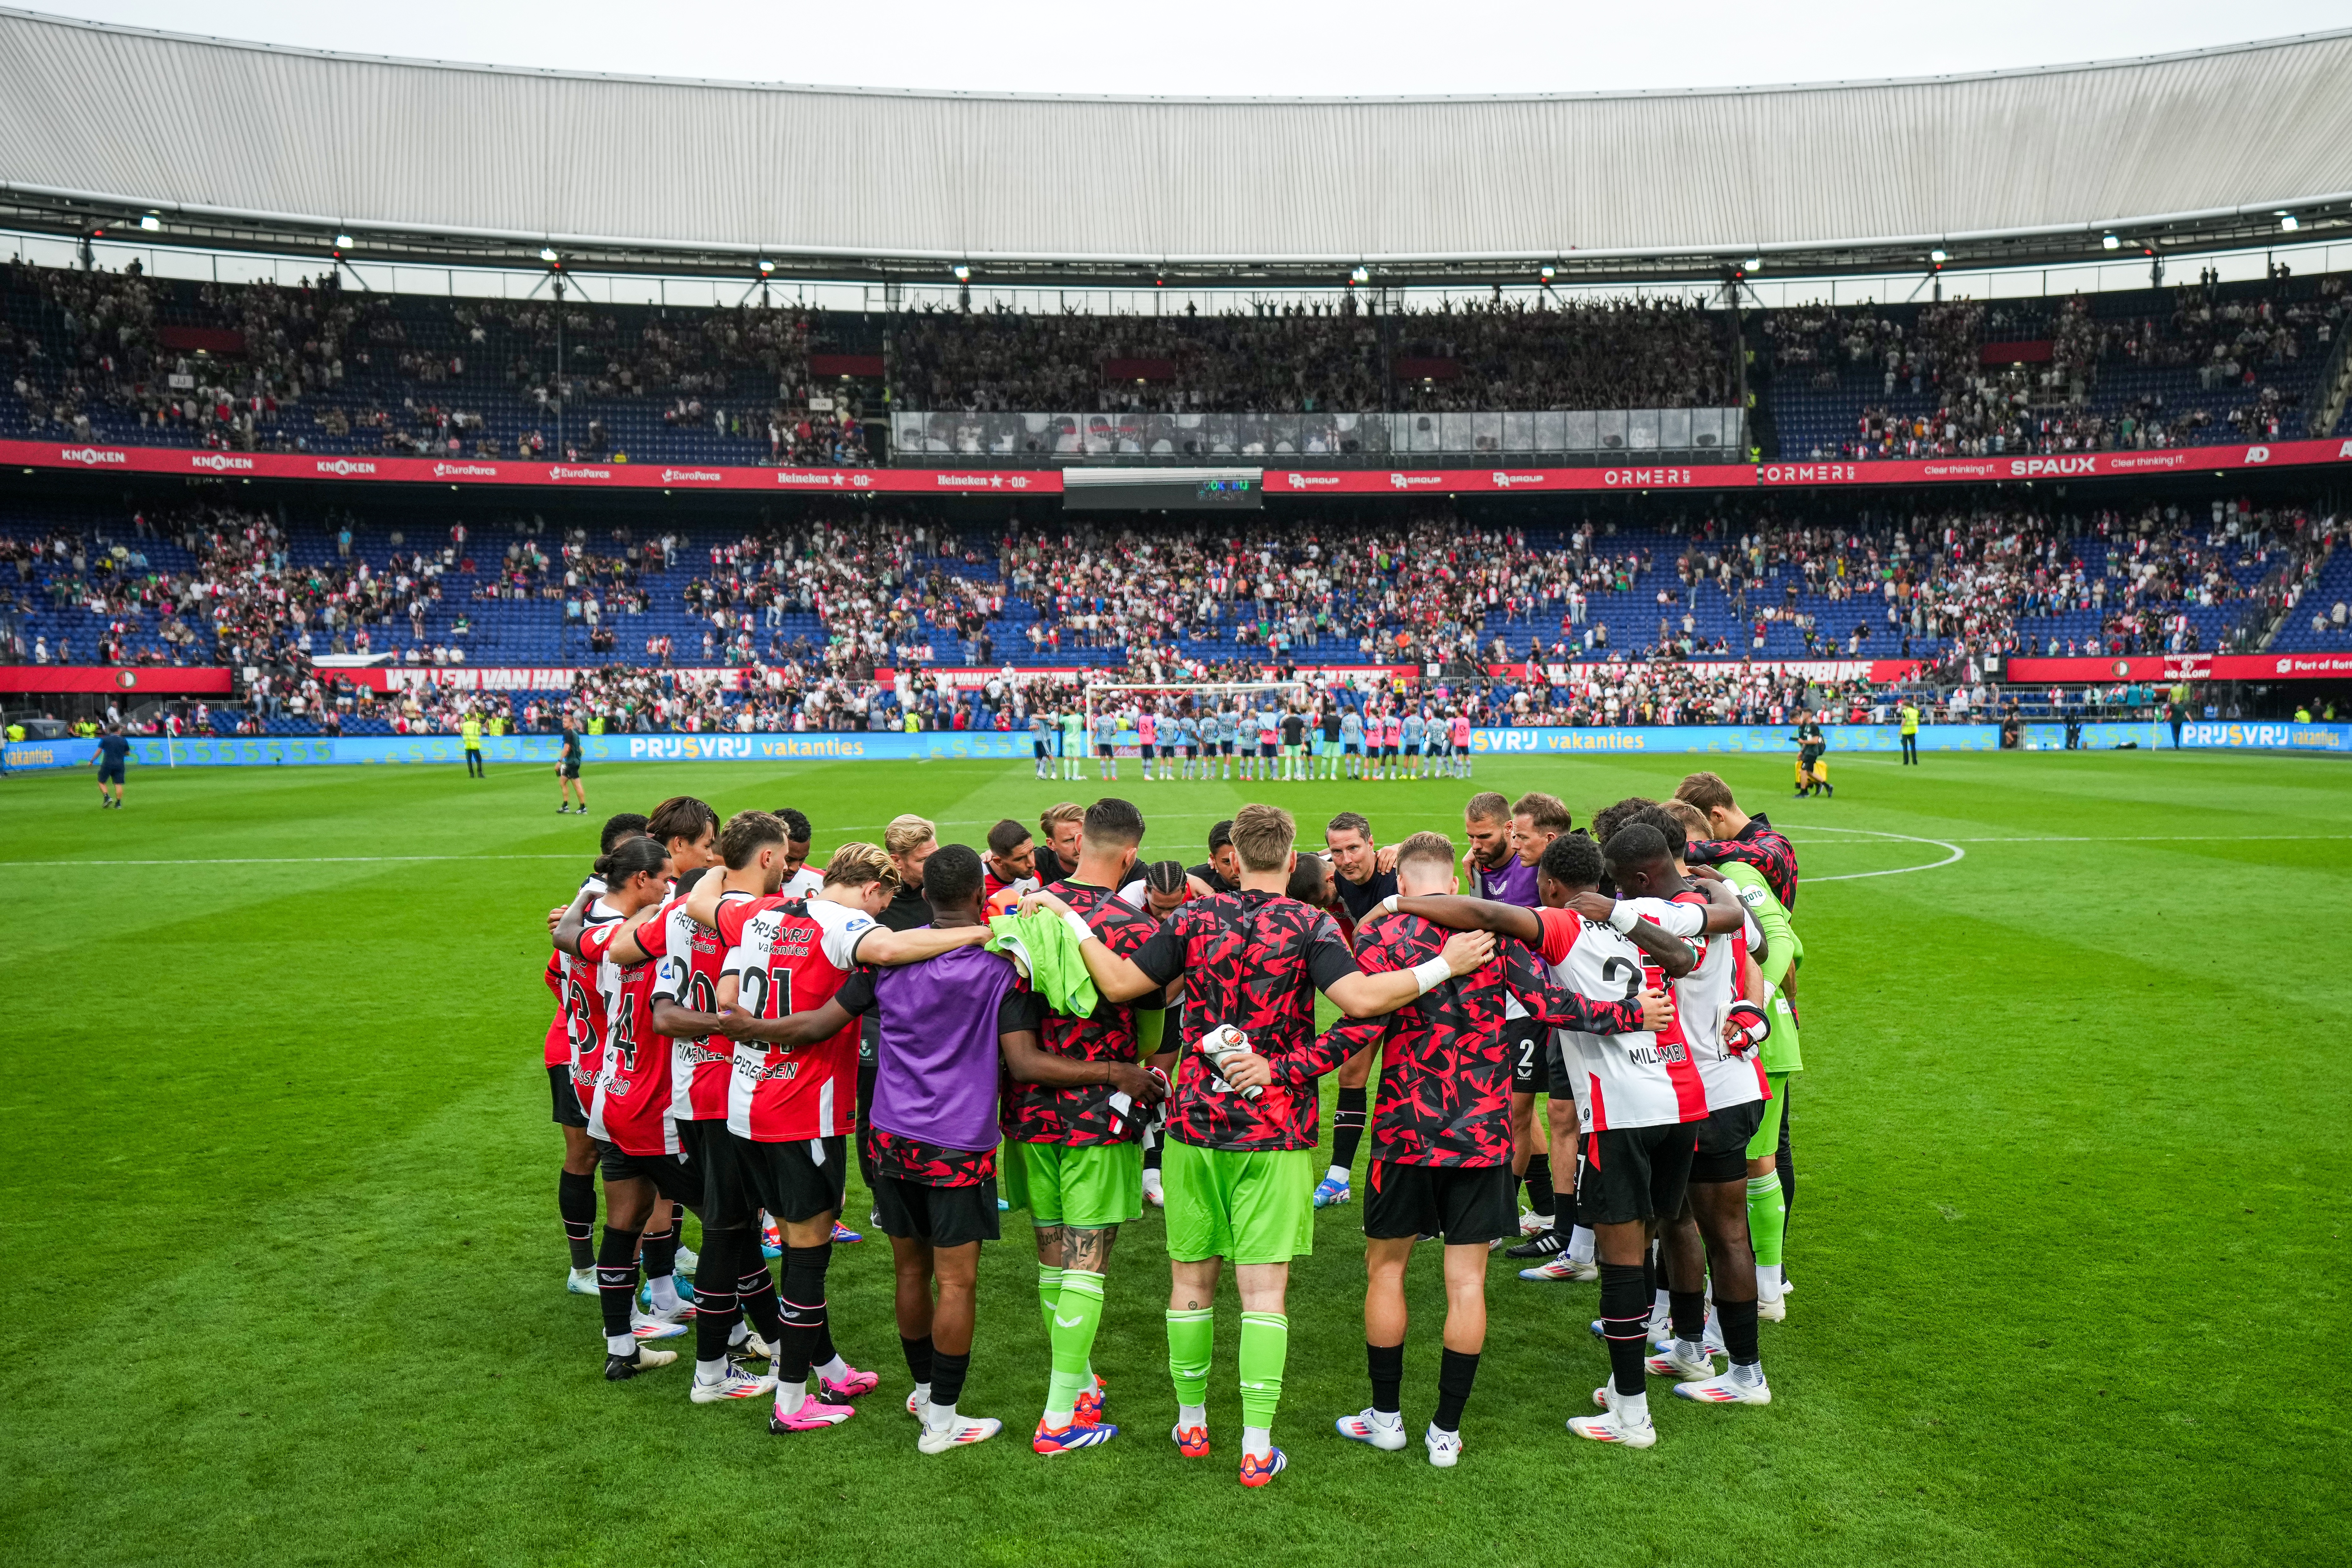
{"x":661,"y":1251}
{"x":1347,"y":1127}
{"x":1388,"y":1375}
{"x":801,"y":1303}
{"x":1539,"y":1180}
{"x":1457,"y":1370}
{"x":716,"y":1310}
{"x":918,"y":1357}
{"x":576,"y":1200}
{"x":1151,"y":1151}
{"x":821,"y":1349}
{"x":755,"y":1292}
{"x":947,"y":1376}
{"x":1624,"y":1324}
{"x":1688,"y":1311}
{"x":1738,"y":1320}
{"x":616,"y":1277}
{"x":1786,"y":1163}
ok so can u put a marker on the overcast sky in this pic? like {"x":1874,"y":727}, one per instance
{"x":1373,"y":47}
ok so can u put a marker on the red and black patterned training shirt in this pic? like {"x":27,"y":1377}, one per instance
{"x":928,"y":1165}
{"x":1254,"y":960}
{"x":1082,"y":1117}
{"x":1446,"y":1067}
{"x":1760,"y":844}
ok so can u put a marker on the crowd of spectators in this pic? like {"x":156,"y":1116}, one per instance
{"x":854,"y":615}
{"x":319,"y":366}
{"x":1315,"y":358}
{"x":325,"y":366}
{"x":2051,"y":398}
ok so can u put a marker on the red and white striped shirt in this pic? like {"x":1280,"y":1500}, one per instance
{"x":791,"y":956}
{"x":1639,"y":1079}
{"x":690,"y":959}
{"x":583,"y":1002}
{"x":1702,"y":997}
{"x":629,"y":1105}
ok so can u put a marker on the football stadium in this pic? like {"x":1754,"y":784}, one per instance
{"x":1798,"y":610}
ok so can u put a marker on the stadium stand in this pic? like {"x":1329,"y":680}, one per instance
{"x":844,"y":592}
{"x":121,"y":357}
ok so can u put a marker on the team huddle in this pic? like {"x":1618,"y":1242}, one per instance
{"x":1061,"y":1027}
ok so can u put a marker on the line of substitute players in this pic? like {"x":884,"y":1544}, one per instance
{"x":713,"y":987}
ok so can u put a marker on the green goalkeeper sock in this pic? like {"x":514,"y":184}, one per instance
{"x":1074,"y":1324}
{"x":1768,"y":1214}
{"x":1049,"y":1293}
{"x":1192,"y":1340}
{"x":1265,"y":1345}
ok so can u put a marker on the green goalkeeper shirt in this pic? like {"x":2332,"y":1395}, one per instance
{"x":1782,"y":952}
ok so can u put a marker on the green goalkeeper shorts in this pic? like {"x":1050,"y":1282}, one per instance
{"x":1089,"y":1188}
{"x":1246,"y":1206}
{"x":1767,"y":1141}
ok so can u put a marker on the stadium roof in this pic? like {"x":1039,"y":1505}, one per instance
{"x":255,"y":147}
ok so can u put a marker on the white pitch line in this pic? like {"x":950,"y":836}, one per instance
{"x":1957,"y":853}
{"x":1951,"y":844}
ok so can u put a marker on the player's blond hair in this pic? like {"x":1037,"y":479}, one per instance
{"x":1694,"y":820}
{"x":1062,"y":811}
{"x":855,"y":864}
{"x":907,"y":833}
{"x":1263,"y":835}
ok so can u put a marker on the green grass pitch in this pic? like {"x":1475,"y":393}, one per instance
{"x":280,"y":1207}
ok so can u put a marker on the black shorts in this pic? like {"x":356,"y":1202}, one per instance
{"x":567,"y":1104}
{"x":1265,"y":748}
{"x":673,"y":1176}
{"x":1563,"y":1072}
{"x":1040,"y":746}
{"x":110,"y":774}
{"x":1102,"y":750}
{"x":1722,"y":1153}
{"x":1530,"y":1072}
{"x":1632,"y":1174}
{"x":1463,"y":1204}
{"x":571,"y":769}
{"x":696,"y":1140}
{"x":1166,"y":750}
{"x":1387,"y":751}
{"x":944,"y":1216}
{"x":1191,"y":751}
{"x":1226,"y":747}
{"x":1413,"y":750}
{"x":794,"y":1182}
